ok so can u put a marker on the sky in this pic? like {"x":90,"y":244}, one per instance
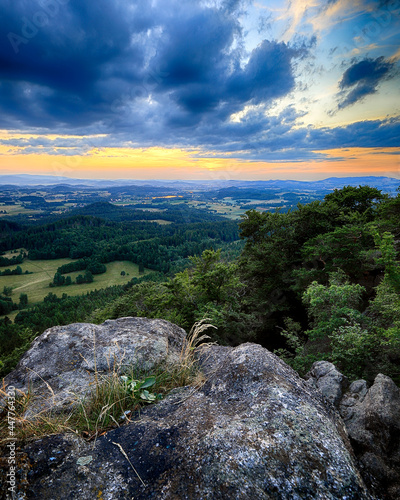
{"x":200,"y":89}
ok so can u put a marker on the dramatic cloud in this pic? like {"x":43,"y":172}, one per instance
{"x":196,"y":74}
{"x":362,"y":79}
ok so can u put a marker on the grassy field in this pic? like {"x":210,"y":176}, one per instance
{"x":162,"y":222}
{"x":16,"y":210}
{"x":227,"y":209}
{"x":36,"y":285}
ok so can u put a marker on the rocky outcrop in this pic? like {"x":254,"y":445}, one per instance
{"x":372,"y":419}
{"x":254,"y":430}
{"x":60,"y":366}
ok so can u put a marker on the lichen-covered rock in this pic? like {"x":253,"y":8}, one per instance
{"x":254,"y":430}
{"x":372,"y":419}
{"x":61,"y":363}
{"x":328,"y":380}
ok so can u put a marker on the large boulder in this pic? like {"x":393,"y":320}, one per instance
{"x":254,"y":430}
{"x":62,"y":364}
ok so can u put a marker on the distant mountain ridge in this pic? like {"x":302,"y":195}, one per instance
{"x":388,"y":184}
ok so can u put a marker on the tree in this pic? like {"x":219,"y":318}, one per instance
{"x":79,"y":279}
{"x":23,"y":300}
{"x":273,"y":251}
{"x":59,"y":279}
{"x":88,"y":277}
{"x":344,"y":248}
{"x":6,"y":306}
{"x":123,"y":273}
{"x":332,"y":306}
{"x":96,"y":267}
{"x":213,"y":278}
{"x":362,"y":199}
{"x":385,"y":243}
{"x":7,"y":291}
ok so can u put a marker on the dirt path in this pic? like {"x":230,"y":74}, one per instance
{"x":39,"y":269}
{"x":31,"y":283}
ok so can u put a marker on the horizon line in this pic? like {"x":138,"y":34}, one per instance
{"x":66,"y":178}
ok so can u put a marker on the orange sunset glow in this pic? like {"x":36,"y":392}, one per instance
{"x":161,"y":163}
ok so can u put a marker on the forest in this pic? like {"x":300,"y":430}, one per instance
{"x":321,"y":281}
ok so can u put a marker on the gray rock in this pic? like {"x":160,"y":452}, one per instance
{"x":254,"y":430}
{"x":60,"y":366}
{"x":355,"y":394}
{"x":372,"y":419}
{"x":327,"y":379}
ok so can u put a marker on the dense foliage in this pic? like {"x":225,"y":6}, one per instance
{"x":325,"y":273}
{"x":17,"y":259}
{"x":160,"y":248}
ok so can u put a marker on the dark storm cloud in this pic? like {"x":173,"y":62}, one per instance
{"x":68,"y":63}
{"x":57,"y":54}
{"x":63,"y":44}
{"x":362,"y":79}
{"x":374,"y":133}
{"x":223,"y":87}
{"x":267,"y":74}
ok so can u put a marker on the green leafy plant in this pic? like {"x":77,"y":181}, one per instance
{"x":332,"y":306}
{"x":295,"y":355}
{"x":138,"y":388}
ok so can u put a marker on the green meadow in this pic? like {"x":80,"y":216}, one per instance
{"x":36,"y":285}
{"x":16,"y":209}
